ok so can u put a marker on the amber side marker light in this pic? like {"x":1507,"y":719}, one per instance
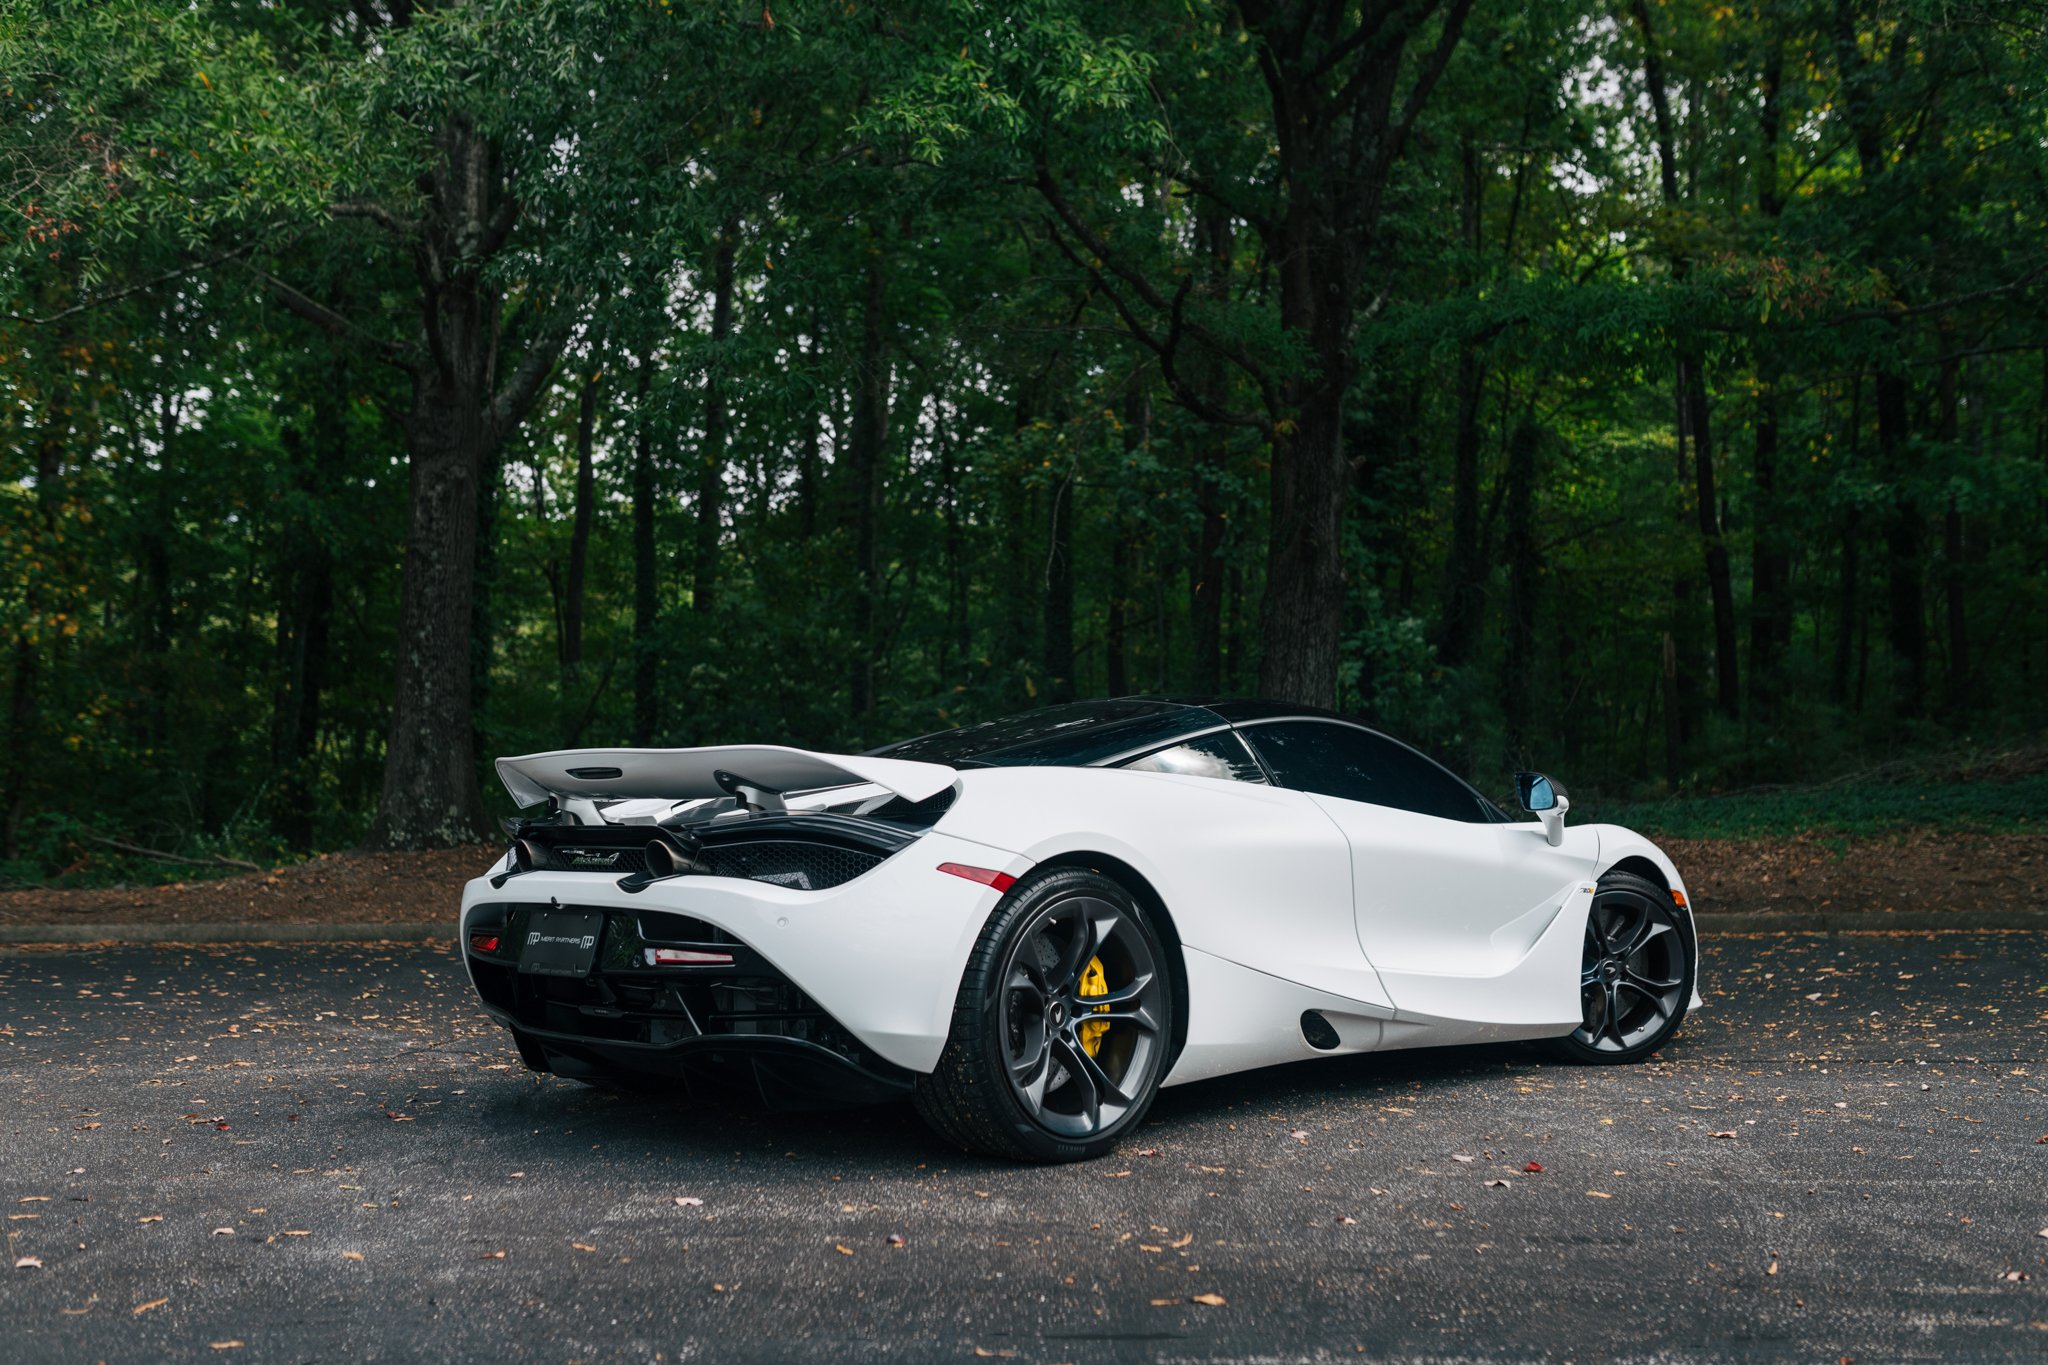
{"x":1678,"y":898}
{"x":987,"y":876}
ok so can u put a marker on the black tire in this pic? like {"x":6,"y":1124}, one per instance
{"x":1637,"y":976}
{"x":1025,"y":1073}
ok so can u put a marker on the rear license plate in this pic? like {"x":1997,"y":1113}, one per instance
{"x":561,"y":942}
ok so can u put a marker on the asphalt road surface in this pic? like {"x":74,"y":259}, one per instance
{"x":325,"y":1153}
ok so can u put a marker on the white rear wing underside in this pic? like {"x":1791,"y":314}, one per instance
{"x":691,"y":774}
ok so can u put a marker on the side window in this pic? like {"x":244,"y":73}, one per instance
{"x":1358,"y":765}
{"x":1220,"y":755}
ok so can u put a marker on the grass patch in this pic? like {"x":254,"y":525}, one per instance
{"x":2015,"y":806}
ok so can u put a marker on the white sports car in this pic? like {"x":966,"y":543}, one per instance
{"x":1028,"y":926}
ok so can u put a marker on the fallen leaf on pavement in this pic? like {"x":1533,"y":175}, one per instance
{"x":1106,"y":1175}
{"x":1005,"y":1353}
{"x":492,"y":1256}
{"x":1534,"y":1168}
{"x":235,"y":1345}
{"x":1497,"y":1185}
{"x":1161,"y":1303}
{"x":1597,"y":1194}
{"x":28,"y":1263}
{"x":1212,"y":1300}
{"x":351,"y":1255}
{"x":142,"y":1308}
{"x":1346,"y":1219}
{"x":151,"y":1218}
{"x":297,"y":1232}
{"x":842,"y":1250}
{"x":688,"y":1201}
{"x":1300,"y":1135}
{"x":1729,"y":1134}
{"x":1148,"y":1151}
{"x":1182,"y":1242}
{"x":1773,"y":1269}
{"x":896,"y":1239}
{"x":2014,"y":1276}
{"x":1465,"y":1159}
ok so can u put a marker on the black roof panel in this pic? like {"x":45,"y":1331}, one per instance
{"x":1073,"y":735}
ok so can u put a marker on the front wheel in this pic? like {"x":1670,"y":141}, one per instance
{"x":1061,"y":1029}
{"x":1637,"y":974}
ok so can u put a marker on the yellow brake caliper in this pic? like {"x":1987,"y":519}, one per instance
{"x":1094,"y":981}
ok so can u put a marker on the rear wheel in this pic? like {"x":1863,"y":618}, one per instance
{"x":1060,"y":1031}
{"x":1637,"y":974}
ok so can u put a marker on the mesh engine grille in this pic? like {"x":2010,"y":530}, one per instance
{"x":789,"y":862}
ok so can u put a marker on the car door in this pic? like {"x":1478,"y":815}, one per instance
{"x":1441,"y":885}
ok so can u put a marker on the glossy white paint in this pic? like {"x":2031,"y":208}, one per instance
{"x":682,"y":774}
{"x":1403,"y":930}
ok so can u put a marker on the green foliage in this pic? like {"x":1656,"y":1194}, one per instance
{"x":954,"y":477}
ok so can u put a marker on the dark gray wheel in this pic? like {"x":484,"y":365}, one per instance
{"x":1637,"y":975}
{"x":1061,"y":1028}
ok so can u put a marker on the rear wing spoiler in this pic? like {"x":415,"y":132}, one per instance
{"x":691,"y":774}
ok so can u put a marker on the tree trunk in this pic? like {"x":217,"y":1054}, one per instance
{"x":1720,"y":590}
{"x":864,"y":476}
{"x":304,"y":614}
{"x":1465,"y":598}
{"x":1518,"y":682}
{"x":458,"y":419}
{"x":1215,"y":243}
{"x":1905,"y":599}
{"x":646,"y":606}
{"x":1948,"y":401}
{"x":579,"y":529}
{"x":711,"y":461}
{"x":1059,"y":594}
{"x":1770,"y":606}
{"x":24,"y":707}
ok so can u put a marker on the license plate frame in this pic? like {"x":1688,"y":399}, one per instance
{"x":561,"y":942}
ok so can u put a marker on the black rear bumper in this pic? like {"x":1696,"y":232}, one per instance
{"x":739,"y":1026}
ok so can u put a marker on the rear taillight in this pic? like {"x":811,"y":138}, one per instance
{"x":483,"y":943}
{"x":987,"y":876}
{"x":686,"y":957}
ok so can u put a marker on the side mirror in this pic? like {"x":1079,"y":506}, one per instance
{"x":1546,"y":800}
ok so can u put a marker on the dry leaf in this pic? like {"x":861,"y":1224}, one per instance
{"x":1148,"y":1151}
{"x":583,"y":1246}
{"x":1465,"y":1159}
{"x":718,"y":1289}
{"x":223,"y":1232}
{"x":1112,"y":1175}
{"x":688,"y":1201}
{"x":842,"y":1250}
{"x":1182,"y":1242}
{"x":1005,"y":1353}
{"x":1300,"y":1135}
{"x":1773,"y":1269}
{"x":28,"y":1263}
{"x":492,"y":1256}
{"x":297,"y":1232}
{"x":1346,"y":1219}
{"x":1729,"y":1134}
{"x":142,"y":1308}
{"x":1498,"y":1185}
{"x":1161,"y":1303}
{"x":1597,"y":1194}
{"x":351,"y":1255}
{"x":1534,"y":1168}
{"x":151,"y":1218}
{"x":1143,"y":1247}
{"x":1213,"y":1300}
{"x":2014,"y":1276}
{"x":44,"y":1198}
{"x":235,"y":1345}
{"x":896,"y":1239}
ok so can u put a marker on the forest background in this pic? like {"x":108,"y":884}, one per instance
{"x":1654,"y":392}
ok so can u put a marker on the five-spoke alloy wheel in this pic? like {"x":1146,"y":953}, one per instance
{"x":1637,"y":975}
{"x":1062,"y":1027}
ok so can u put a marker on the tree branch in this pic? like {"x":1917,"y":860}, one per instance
{"x":516,"y":396}
{"x":378,"y":214}
{"x":44,"y":320}
{"x":331,"y":322}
